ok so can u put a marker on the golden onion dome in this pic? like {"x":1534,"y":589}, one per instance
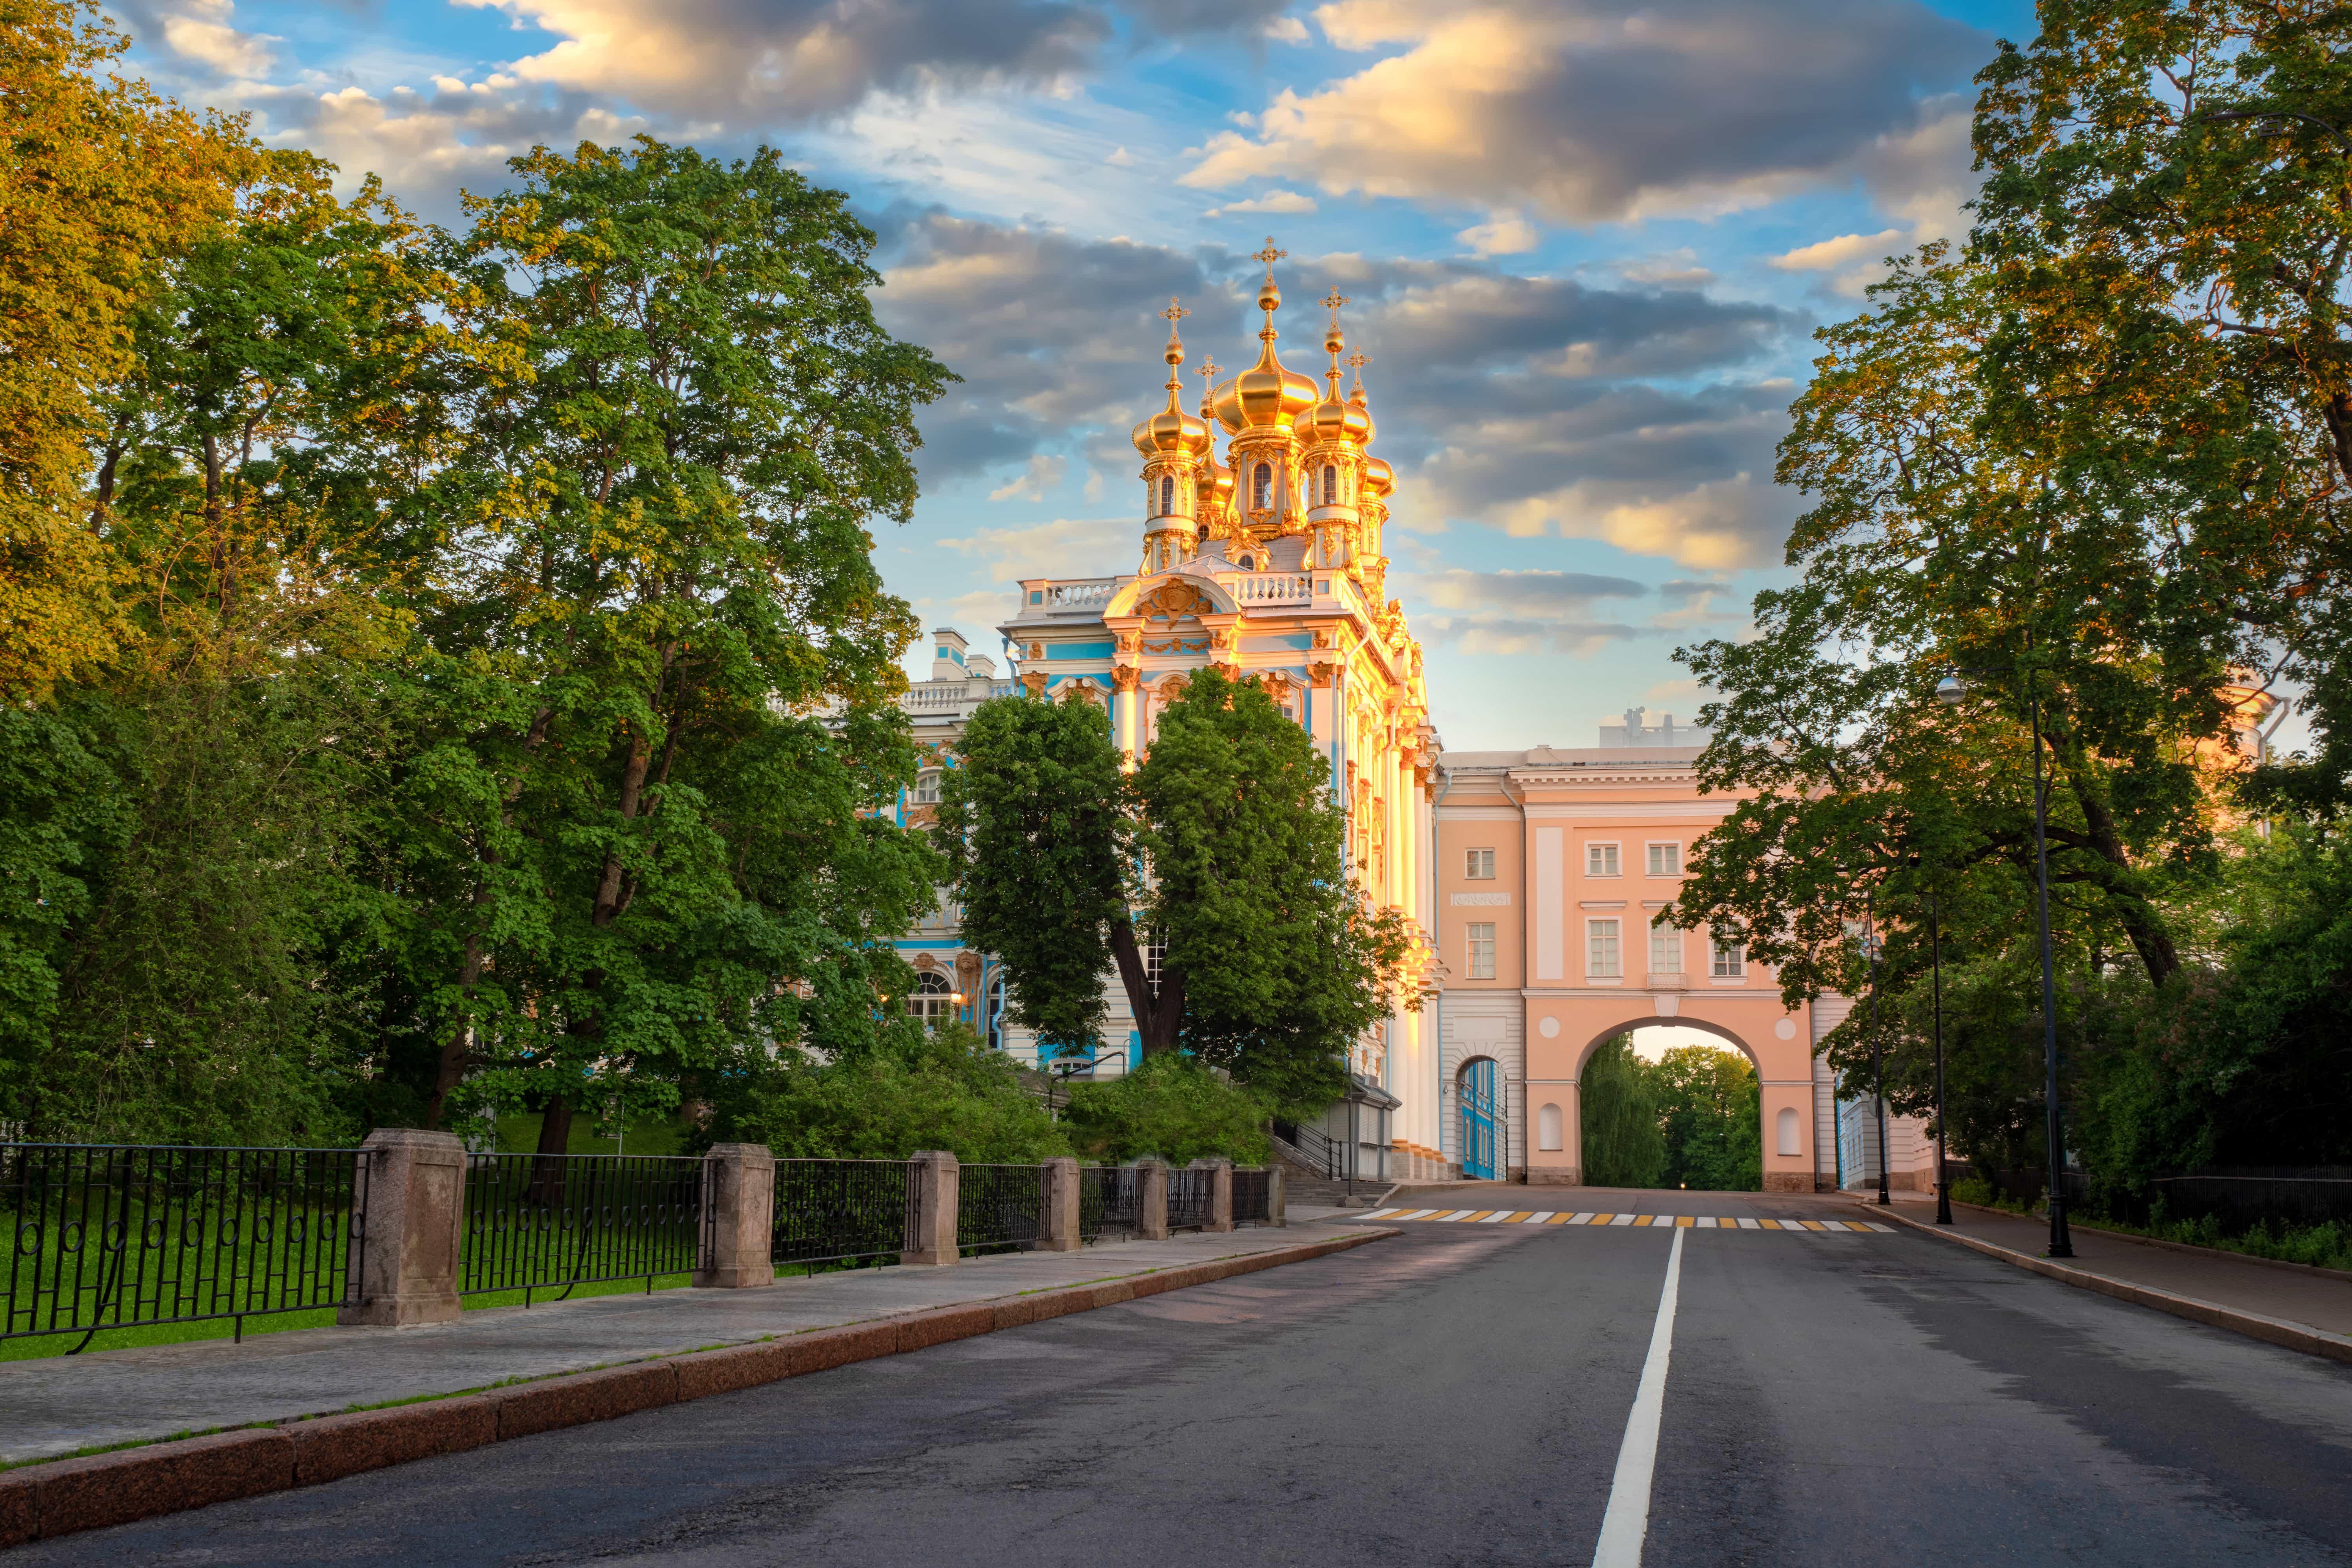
{"x":1172,"y":430}
{"x":1335,"y":418}
{"x":1379,"y":477}
{"x":1270,"y":393}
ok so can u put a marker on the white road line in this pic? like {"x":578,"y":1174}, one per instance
{"x":1498,"y":1217}
{"x":1621,"y":1219}
{"x":1540,"y":1216}
{"x":1584,"y":1217}
{"x":1627,"y":1521}
{"x":1749,"y":1224}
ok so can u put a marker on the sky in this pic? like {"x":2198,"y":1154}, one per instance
{"x":1585,"y":244}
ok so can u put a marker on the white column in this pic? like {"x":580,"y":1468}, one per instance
{"x":1125,"y":706}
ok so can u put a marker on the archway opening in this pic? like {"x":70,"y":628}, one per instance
{"x":1669,"y":1106}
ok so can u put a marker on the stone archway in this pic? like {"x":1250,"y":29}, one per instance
{"x":1563,"y":1032}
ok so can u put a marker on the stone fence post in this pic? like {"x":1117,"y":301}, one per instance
{"x":1220,"y":1192}
{"x":404,"y":1266}
{"x":933,"y":1190}
{"x":1274,"y":1212}
{"x":739,"y":1209}
{"x":1058,"y":1206}
{"x":1153,"y":1224}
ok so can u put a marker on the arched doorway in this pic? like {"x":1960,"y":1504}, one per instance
{"x":1675,"y":1106}
{"x":1481,"y":1102}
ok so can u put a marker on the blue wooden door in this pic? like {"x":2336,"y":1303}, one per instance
{"x":1480,"y":1110}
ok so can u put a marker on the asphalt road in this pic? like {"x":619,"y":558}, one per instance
{"x":1452,"y":1396}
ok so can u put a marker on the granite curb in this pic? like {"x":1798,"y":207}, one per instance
{"x":63,"y":1497}
{"x":2254,"y":1325}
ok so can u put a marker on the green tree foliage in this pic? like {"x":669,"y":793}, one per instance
{"x":1710,"y":1115}
{"x":1623,"y":1143}
{"x":2164,"y":231}
{"x":492,"y":688}
{"x":1172,"y":1106}
{"x":656,"y":580}
{"x":101,"y":185}
{"x":1225,"y":847}
{"x":909,"y":1089}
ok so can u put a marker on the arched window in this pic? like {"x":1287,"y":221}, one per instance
{"x":931,"y":1000}
{"x":1262,"y":487}
{"x":927,"y":787}
{"x":1167,"y":495}
{"x":1330,"y":484}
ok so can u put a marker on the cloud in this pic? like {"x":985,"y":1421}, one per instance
{"x":1504,"y":234}
{"x":1272,"y":202}
{"x":1922,"y":177}
{"x":1511,"y":402}
{"x":1677,"y":268}
{"x":747,"y":60}
{"x":1044,"y":473}
{"x":1286,"y":30}
{"x":1591,"y":110}
{"x":1120,"y":158}
{"x":1515,"y":612}
{"x":1541,"y":594}
{"x":203,"y":33}
{"x":1049,"y":549}
{"x":1055,"y":337}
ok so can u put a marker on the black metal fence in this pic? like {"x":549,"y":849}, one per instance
{"x":1319,"y":1152}
{"x":2240,"y":1198}
{"x":1190,"y":1192}
{"x":1253,"y":1197}
{"x":998,"y":1207}
{"x":110,"y":1236}
{"x":842,"y":1211}
{"x":1110,"y":1203}
{"x":537,"y":1221}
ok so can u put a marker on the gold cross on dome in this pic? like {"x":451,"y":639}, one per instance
{"x":1332,"y":302}
{"x":1174,"y":314}
{"x":1209,"y":367}
{"x":1359,"y":359}
{"x":1269,"y":256}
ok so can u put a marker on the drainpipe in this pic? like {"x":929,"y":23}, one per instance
{"x":1437,"y":921}
{"x":1526,"y":972}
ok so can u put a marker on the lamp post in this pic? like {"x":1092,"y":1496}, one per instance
{"x":1952,"y":691}
{"x":1877,"y":1059}
{"x":1936,"y":962}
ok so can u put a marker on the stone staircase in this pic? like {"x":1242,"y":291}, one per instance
{"x":1304,"y":1181}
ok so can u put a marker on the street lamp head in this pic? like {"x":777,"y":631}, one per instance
{"x":1951,"y":691}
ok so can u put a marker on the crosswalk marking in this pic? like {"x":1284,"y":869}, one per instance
{"x":1673,"y":1221}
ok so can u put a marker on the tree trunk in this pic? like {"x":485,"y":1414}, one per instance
{"x":554,"y":1140}
{"x":1157,"y":1019}
{"x":611,"y":898}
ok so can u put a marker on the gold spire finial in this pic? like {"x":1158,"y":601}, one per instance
{"x":1208,"y":374}
{"x":1269,"y":256}
{"x":1359,"y":359}
{"x":1332,"y":302}
{"x":1174,"y":314}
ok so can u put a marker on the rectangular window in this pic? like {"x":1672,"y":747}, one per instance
{"x":1665,"y":859}
{"x":926,"y":788}
{"x":1600,"y":860}
{"x":1730,"y":960}
{"x":1482,"y":950}
{"x":1482,"y":865}
{"x":1665,"y":949}
{"x":1601,"y":947}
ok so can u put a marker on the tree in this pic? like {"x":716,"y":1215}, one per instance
{"x":1224,"y":851}
{"x":1710,"y":1118}
{"x":1618,"y":1105}
{"x":2164,"y":231}
{"x":101,"y":182}
{"x":657,"y":664}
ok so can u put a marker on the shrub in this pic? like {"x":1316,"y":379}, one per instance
{"x":913,"y":1089}
{"x":1170,"y":1107}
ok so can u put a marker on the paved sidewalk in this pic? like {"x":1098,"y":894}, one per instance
{"x":2239,"y":1284}
{"x":59,"y":1404}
